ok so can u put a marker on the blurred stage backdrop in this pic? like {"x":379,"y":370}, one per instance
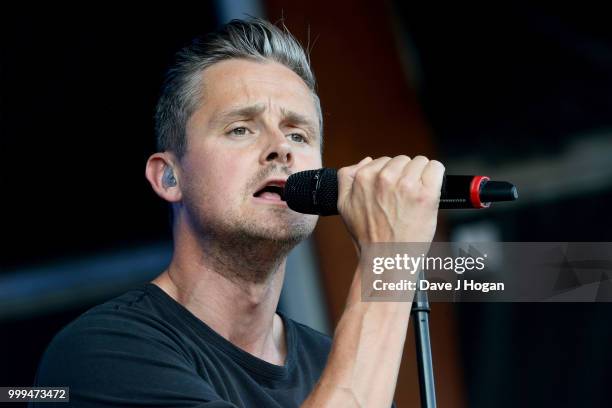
{"x":519,"y":94}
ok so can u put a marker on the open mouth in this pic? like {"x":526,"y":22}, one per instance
{"x":270,"y":192}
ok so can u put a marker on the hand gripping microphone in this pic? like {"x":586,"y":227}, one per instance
{"x":316,"y":192}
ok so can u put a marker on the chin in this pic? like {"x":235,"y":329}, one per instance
{"x":288,"y":232}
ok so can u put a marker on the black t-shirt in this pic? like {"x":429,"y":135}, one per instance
{"x":144,"y":349}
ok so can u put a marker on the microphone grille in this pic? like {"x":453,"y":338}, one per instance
{"x":313,"y":192}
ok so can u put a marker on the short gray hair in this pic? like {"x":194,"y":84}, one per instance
{"x":253,"y":39}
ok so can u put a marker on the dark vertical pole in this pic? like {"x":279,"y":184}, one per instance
{"x":420,"y":314}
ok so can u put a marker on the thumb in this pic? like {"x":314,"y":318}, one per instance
{"x":346,"y":175}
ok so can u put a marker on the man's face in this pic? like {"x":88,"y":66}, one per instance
{"x":257,"y":122}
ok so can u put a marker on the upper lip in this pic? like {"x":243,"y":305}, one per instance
{"x":277,"y":182}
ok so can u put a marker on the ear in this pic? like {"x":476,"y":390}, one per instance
{"x":156,"y":165}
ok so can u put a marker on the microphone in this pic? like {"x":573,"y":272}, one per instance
{"x":316,"y":192}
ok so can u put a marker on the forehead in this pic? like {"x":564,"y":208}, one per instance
{"x":238,"y":82}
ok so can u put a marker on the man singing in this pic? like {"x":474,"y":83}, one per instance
{"x":238,"y":114}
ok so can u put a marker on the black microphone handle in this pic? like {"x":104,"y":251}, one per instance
{"x":316,"y":192}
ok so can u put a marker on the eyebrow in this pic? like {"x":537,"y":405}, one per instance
{"x":300,"y":120}
{"x":251,"y":111}
{"x":241,"y":112}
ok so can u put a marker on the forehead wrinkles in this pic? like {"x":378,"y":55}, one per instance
{"x":248,"y":112}
{"x":223,"y":86}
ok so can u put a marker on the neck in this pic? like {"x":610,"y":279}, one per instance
{"x":235,"y":292}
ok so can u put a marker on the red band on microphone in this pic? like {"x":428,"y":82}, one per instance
{"x":475,"y":191}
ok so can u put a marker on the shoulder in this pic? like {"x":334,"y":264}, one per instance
{"x":120,"y":329}
{"x":124,"y":352}
{"x":134,"y":312}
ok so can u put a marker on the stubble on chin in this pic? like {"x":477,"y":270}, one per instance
{"x":251,"y":252}
{"x":246,"y":243}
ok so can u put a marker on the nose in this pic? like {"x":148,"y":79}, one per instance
{"x":277,"y":149}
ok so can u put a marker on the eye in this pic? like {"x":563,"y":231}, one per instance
{"x":298,"y":138}
{"x":239,"y":131}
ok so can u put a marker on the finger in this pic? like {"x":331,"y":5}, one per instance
{"x":392,"y":170}
{"x":413,"y":170}
{"x":346,"y":175}
{"x":349,"y":171}
{"x":367,"y":173}
{"x":433,"y":175}
{"x":363,"y":162}
{"x":371,"y":169}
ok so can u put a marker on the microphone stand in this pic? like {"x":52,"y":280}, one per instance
{"x":420,"y":312}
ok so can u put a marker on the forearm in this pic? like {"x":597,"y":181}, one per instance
{"x":382,"y":200}
{"x":366,"y":353}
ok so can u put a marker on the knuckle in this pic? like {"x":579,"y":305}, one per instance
{"x":362,"y":176}
{"x":385,"y":178}
{"x":437,"y":163}
{"x":383,"y":159}
{"x":408,"y":185}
